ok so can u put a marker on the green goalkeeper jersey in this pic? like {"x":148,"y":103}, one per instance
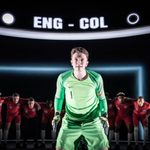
{"x":84,"y":99}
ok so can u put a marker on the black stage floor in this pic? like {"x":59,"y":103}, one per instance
{"x":11,"y":144}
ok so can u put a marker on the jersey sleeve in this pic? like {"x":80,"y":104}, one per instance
{"x":59,"y":95}
{"x":102,"y":99}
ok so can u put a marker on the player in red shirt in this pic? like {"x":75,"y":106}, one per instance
{"x":111,"y":117}
{"x":124,"y":108}
{"x":1,"y":131}
{"x":13,"y":104}
{"x":46,"y":119}
{"x":141,"y":113}
{"x":30,"y":120}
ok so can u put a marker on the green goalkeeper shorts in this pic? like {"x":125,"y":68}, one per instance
{"x":93,"y":133}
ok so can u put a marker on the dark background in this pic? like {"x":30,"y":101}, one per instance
{"x":127,"y":51}
{"x":113,"y":52}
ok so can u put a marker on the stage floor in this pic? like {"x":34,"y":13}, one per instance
{"x":11,"y":144}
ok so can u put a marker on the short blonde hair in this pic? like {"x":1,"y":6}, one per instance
{"x":80,"y":50}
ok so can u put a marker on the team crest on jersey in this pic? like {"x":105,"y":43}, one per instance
{"x":68,"y":85}
{"x":125,"y":106}
{"x":33,"y":110}
{"x":26,"y":111}
{"x":45,"y":111}
{"x":10,"y":107}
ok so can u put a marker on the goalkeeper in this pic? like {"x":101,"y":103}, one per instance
{"x":85,"y":103}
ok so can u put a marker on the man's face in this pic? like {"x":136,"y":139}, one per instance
{"x":140,"y":101}
{"x":31,"y":104}
{"x":121,"y":98}
{"x":79,"y":61}
{"x":16,"y":99}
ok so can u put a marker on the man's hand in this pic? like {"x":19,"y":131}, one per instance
{"x":105,"y":120}
{"x":56,"y":119}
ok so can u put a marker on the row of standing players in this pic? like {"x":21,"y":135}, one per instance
{"x":26,"y":112}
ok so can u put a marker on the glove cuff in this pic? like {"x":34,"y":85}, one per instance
{"x":57,"y":113}
{"x":105,"y":115}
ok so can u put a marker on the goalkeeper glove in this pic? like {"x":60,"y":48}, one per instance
{"x":56,"y":118}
